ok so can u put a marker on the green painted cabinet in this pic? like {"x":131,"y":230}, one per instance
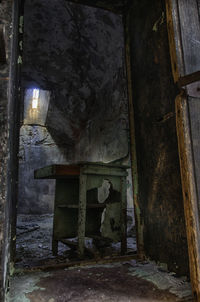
{"x":77,"y":210}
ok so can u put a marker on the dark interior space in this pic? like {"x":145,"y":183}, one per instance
{"x":99,"y":150}
{"x":75,"y":109}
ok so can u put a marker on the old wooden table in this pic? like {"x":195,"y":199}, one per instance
{"x":77,"y":211}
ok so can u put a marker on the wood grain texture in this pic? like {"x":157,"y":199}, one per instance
{"x":160,"y":194}
{"x":194,"y":113}
{"x":189,"y":191}
{"x":172,"y":42}
{"x":188,"y":79}
{"x":184,"y":41}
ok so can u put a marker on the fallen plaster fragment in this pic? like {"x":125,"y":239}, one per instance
{"x":163,"y":280}
{"x":24,"y":284}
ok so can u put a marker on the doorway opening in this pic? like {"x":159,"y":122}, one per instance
{"x":75,"y":109}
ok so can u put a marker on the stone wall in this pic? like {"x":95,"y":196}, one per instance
{"x":79,"y":58}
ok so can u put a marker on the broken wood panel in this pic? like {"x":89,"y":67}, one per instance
{"x":189,"y":191}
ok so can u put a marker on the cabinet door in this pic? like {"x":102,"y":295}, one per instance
{"x":184,"y":39}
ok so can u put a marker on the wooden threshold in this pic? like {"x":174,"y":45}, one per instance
{"x":78,"y":263}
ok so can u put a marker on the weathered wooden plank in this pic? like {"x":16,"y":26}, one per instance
{"x":188,"y":79}
{"x":62,"y":170}
{"x":173,"y":43}
{"x":194,"y":113}
{"x":55,"y":171}
{"x":189,"y":191}
{"x":159,"y":195}
{"x":82,"y":263}
{"x":58,"y":171}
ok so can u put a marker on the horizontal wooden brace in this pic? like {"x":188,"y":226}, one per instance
{"x":189,"y":79}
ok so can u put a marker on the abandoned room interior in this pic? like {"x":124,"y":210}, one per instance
{"x":99,"y":150}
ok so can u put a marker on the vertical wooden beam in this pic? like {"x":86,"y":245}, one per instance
{"x":123,"y":216}
{"x":2,"y":45}
{"x":171,"y":37}
{"x":15,"y":107}
{"x":175,"y":39}
{"x":137,"y":212}
{"x":82,"y":213}
{"x":189,"y":191}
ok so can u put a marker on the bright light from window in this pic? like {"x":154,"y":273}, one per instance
{"x":35,"y":98}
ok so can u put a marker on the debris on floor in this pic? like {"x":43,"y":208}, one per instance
{"x":130,"y":281}
{"x":161,"y":278}
{"x":33,"y":245}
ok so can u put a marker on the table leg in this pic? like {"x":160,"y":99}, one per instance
{"x":82,"y":214}
{"x":123,"y":216}
{"x":55,"y":247}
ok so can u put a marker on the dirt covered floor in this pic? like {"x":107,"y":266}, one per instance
{"x":120,"y":282}
{"x":128,"y":281}
{"x":33,"y":245}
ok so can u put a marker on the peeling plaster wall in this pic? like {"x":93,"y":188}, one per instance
{"x":79,"y":58}
{"x":160,"y":194}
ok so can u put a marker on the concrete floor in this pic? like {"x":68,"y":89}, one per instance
{"x":120,"y":282}
{"x":128,"y":281}
{"x":33,"y":245}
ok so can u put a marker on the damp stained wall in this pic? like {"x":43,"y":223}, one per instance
{"x":79,"y":57}
{"x":160,"y":194}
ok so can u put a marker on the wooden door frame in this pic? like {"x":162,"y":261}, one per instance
{"x":13,"y":145}
{"x":18,"y":46}
{"x":133,"y":153}
{"x":186,"y":156}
